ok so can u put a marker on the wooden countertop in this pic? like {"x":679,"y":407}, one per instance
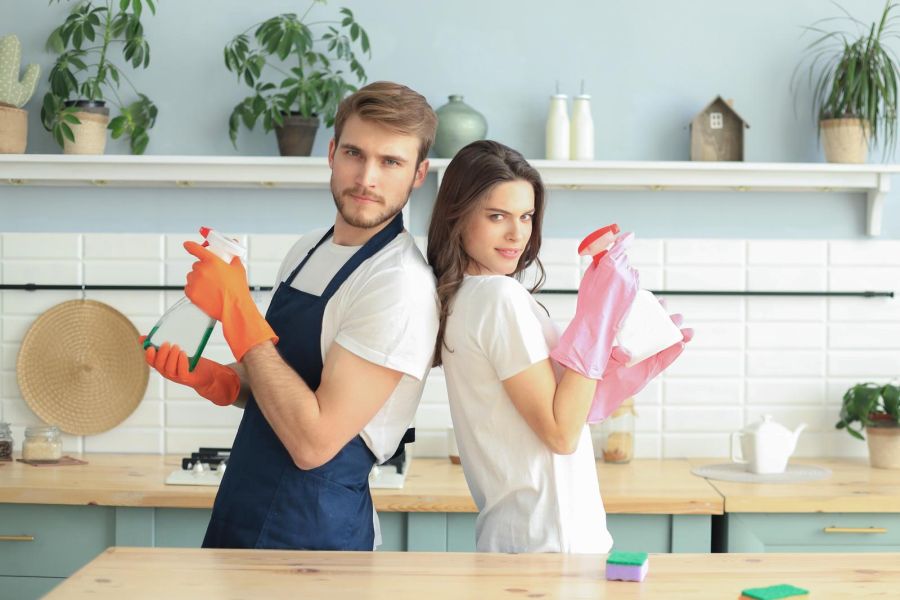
{"x":135,"y":573}
{"x":432,"y":485}
{"x":852,"y":487}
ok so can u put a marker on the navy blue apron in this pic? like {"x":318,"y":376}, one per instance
{"x":265,"y":500}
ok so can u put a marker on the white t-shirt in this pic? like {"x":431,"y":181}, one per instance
{"x":530,"y":499}
{"x":386,"y":312}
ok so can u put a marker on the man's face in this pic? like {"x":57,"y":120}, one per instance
{"x":373,"y":171}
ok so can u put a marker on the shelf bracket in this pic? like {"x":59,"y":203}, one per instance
{"x":876,"y":199}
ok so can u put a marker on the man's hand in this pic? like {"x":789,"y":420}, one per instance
{"x":220,"y":290}
{"x":215,"y":382}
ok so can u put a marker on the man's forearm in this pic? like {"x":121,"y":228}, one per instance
{"x":287,"y":403}
{"x":241,"y":400}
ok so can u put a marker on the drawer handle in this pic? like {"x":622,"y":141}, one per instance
{"x":855,"y":530}
{"x":16,"y":538}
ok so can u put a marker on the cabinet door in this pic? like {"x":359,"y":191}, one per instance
{"x":41,"y":540}
{"x":27,"y":588}
{"x":180,"y":527}
{"x":803,"y":532}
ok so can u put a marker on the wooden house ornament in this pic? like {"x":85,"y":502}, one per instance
{"x":717,"y":132}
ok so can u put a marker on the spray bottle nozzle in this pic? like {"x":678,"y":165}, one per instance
{"x":597,"y":243}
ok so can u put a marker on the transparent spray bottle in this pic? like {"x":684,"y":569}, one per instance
{"x":184,"y":324}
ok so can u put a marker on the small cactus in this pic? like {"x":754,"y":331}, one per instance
{"x":12,"y":91}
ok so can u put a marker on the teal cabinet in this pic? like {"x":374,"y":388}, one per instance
{"x":23,"y":588}
{"x":819,"y":532}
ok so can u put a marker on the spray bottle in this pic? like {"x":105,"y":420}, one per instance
{"x":647,"y":328}
{"x":184,"y":324}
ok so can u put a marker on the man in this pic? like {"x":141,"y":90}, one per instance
{"x":354,"y":318}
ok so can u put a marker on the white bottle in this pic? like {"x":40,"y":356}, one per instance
{"x":184,"y":324}
{"x":558,"y":128}
{"x":582,"y":137}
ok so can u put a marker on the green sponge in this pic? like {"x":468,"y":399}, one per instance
{"x":627,"y":558}
{"x":774,"y":592}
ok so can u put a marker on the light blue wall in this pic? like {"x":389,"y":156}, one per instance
{"x":650,"y":66}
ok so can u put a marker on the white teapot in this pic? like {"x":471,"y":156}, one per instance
{"x":766,"y":445}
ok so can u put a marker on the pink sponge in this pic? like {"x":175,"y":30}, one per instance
{"x":627,"y":566}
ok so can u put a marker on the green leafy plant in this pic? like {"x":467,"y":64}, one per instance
{"x":310,"y":58}
{"x":854,"y":74}
{"x":871,"y":405}
{"x":84,"y":69}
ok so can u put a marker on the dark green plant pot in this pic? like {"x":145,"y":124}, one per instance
{"x":296,"y":136}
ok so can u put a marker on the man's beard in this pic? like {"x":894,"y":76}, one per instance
{"x":355,"y":220}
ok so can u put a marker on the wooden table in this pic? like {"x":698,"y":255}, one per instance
{"x":137,"y":573}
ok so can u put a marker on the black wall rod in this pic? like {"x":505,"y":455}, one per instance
{"x":34,"y":287}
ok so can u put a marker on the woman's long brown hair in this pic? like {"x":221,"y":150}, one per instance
{"x":469,"y":177}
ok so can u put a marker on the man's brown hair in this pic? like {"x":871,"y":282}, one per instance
{"x":394,"y":106}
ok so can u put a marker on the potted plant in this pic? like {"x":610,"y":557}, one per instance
{"x":877,"y":408}
{"x":854,"y":78}
{"x":309,"y":57}
{"x":84,"y":77}
{"x":14,"y":94}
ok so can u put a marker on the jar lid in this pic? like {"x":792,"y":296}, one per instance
{"x":42,"y":431}
{"x":626,"y":408}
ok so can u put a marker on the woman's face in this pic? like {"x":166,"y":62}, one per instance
{"x":498,"y":231}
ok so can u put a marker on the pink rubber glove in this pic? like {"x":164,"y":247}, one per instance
{"x":620,"y":382}
{"x":604,"y":297}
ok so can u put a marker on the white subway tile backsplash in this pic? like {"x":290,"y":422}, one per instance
{"x":864,"y":336}
{"x":689,"y":419}
{"x":872,"y":363}
{"x":781,"y":309}
{"x":708,"y":363}
{"x":785,"y":363}
{"x":787,"y":252}
{"x":190,"y":413}
{"x":864,"y":309}
{"x":705,"y":278}
{"x":116,"y":246}
{"x":705,"y":252}
{"x":135,"y":272}
{"x":786,"y":335}
{"x":46,"y":272}
{"x":682,"y":445}
{"x":41,"y":245}
{"x":865,"y":253}
{"x":790,"y":357}
{"x":708,"y":392}
{"x":862,"y":279}
{"x":787,"y":279}
{"x":785,"y":392}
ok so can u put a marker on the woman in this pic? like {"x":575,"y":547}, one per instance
{"x":519,"y":418}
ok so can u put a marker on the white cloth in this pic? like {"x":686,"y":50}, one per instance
{"x":386,"y":312}
{"x":530,"y":499}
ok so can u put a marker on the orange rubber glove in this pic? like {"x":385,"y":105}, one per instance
{"x":220,"y":290}
{"x":215,"y":382}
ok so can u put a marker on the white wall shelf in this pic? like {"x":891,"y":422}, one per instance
{"x":873,"y":180}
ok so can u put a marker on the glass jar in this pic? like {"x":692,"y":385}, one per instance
{"x":617,"y":434}
{"x":42,"y":444}
{"x":6,"y":442}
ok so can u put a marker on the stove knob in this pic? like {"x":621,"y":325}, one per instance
{"x":198,"y":467}
{"x":221,"y":469}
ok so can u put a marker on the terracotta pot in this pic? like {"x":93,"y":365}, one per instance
{"x":884,"y":447}
{"x":845,"y":140}
{"x":13,"y":129}
{"x":90,"y":135}
{"x":296,"y":136}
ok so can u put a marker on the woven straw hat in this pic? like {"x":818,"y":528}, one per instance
{"x":81,"y":368}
